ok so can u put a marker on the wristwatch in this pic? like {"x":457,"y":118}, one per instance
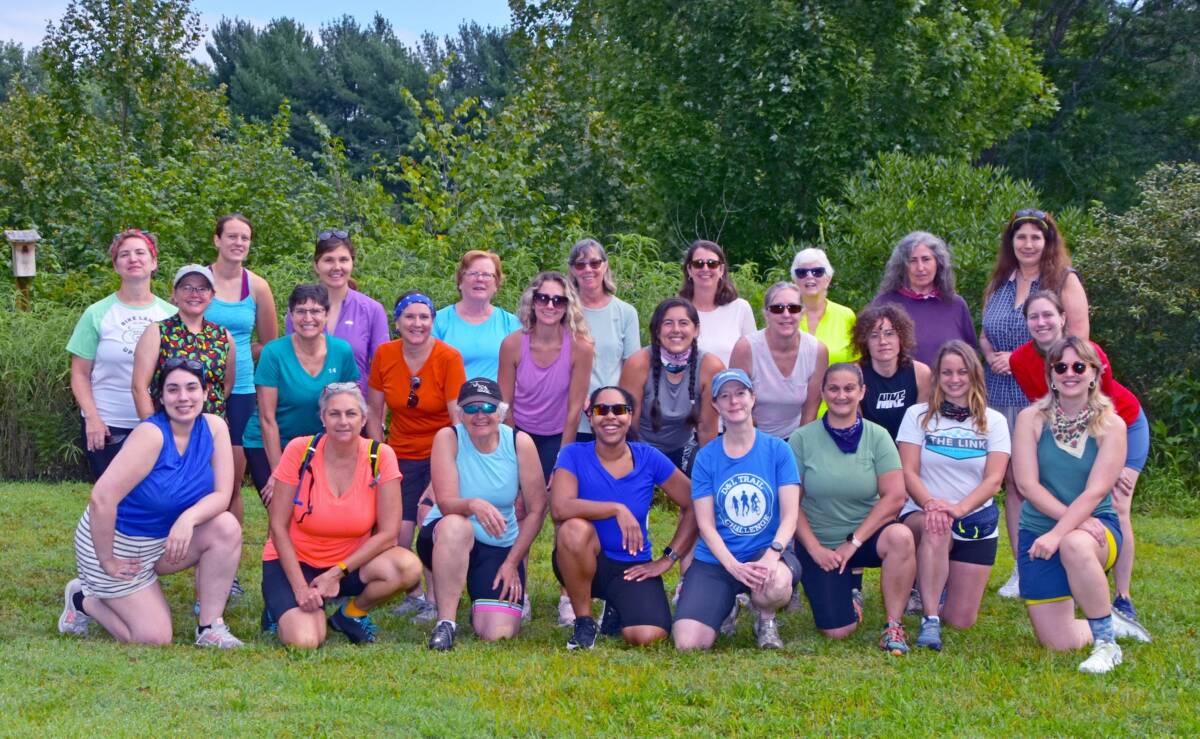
{"x":670,"y":553}
{"x":777,"y":547}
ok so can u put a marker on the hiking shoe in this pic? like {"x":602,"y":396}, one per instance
{"x":584,"y":636}
{"x":442,"y":639}
{"x":893,"y":640}
{"x":235,"y":592}
{"x":1125,"y":606}
{"x":767,"y":633}
{"x":1104,"y":657}
{"x":931,"y":634}
{"x":267,"y":624}
{"x":729,"y":625}
{"x":1126,"y":628}
{"x":72,"y":620}
{"x":914,"y":603}
{"x":426,"y":611}
{"x":527,"y":610}
{"x":678,"y":590}
{"x":856,"y":602}
{"x":794,"y":604}
{"x":410,"y":604}
{"x":218,"y":636}
{"x":566,"y":613}
{"x":610,"y":621}
{"x":1012,"y":588}
{"x":357,"y":630}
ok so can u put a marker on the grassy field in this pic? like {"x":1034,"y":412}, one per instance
{"x":991,"y":680}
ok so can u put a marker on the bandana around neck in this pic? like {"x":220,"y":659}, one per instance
{"x":955,"y":412}
{"x":1070,"y":430}
{"x":675,"y":362}
{"x":846,"y":439}
{"x":910,"y":293}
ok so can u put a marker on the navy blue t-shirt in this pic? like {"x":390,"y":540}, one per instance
{"x":745,"y":493}
{"x":635,"y":490}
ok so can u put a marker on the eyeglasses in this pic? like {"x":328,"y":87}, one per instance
{"x":558,"y":301}
{"x":414,"y":384}
{"x":337,"y":234}
{"x":605,"y":409}
{"x":1060,"y":368}
{"x":472,"y":408}
{"x":877,"y":335}
{"x":779,"y":308}
{"x":187,"y":363}
{"x":802,"y":272}
{"x":705,"y":263}
{"x":477,"y":275}
{"x":194,"y":289}
{"x":581,"y":264}
{"x":308,"y":311}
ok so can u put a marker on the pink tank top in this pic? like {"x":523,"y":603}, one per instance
{"x":540,"y":396}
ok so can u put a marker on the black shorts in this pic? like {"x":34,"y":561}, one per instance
{"x":277,"y":591}
{"x":639,"y":603}
{"x":709,"y":590}
{"x":482,"y":567}
{"x":415,"y":477}
{"x":828,"y":593}
{"x":239,"y":407}
{"x":99,"y":460}
{"x":547,"y":449}
{"x":259,"y":466}
{"x":970,"y":551}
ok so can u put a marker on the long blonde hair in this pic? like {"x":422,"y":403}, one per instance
{"x":976,"y":394}
{"x":572,"y":316}
{"x":1098,"y":403}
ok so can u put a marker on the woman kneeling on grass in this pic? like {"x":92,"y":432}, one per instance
{"x":160,"y":508}
{"x":851,"y":490}
{"x":334,"y":520}
{"x":600,"y":496}
{"x":745,"y":493}
{"x":471,"y":536}
{"x":1068,"y":450}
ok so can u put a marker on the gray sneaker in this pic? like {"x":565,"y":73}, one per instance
{"x":914,"y":603}
{"x":931,"y":634}
{"x":410,"y":604}
{"x":72,"y":620}
{"x":767,"y":632}
{"x":1126,"y":628}
{"x":729,"y":625}
{"x":218,"y":636}
{"x":795,"y":604}
{"x":425,"y":612}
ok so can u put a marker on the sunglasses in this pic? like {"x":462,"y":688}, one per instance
{"x":187,"y":363}
{"x":705,"y":263}
{"x":472,"y":408}
{"x":558,"y":301}
{"x":582,"y":264}
{"x":1060,"y":368}
{"x":605,"y":409}
{"x":802,"y":272}
{"x":1030,"y":215}
{"x":337,"y":234}
{"x":414,"y":384}
{"x":779,"y":308}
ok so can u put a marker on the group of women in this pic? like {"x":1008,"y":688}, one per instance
{"x":798,"y":454}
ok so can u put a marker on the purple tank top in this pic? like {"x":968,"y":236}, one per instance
{"x":540,"y":396}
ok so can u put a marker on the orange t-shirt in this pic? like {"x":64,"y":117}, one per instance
{"x":337,"y":526}
{"x":411,"y":430}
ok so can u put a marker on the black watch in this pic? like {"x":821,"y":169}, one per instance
{"x":669,"y":553}
{"x":777,"y":547}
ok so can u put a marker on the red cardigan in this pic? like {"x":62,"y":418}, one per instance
{"x":1029,"y":370}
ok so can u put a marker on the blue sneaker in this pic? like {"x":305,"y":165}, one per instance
{"x":931,"y":634}
{"x":1125,"y":607}
{"x":357,"y":630}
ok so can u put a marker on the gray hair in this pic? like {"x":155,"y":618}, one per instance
{"x":811,"y":254}
{"x":895,"y":273}
{"x":341,"y":388}
{"x":580,"y":248}
{"x":774,"y":290}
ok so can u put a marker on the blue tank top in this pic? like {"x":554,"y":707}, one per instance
{"x":491,"y":477}
{"x":239,"y":318}
{"x":172,"y":486}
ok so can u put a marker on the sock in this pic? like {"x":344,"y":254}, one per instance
{"x":453,"y":625}
{"x":1102,"y":628}
{"x":201,"y":628}
{"x":933,"y":619}
{"x":352,"y":610}
{"x":77,"y":602}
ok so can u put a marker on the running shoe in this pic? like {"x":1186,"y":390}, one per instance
{"x":1104,"y":657}
{"x":235,"y":592}
{"x":442,"y":639}
{"x":410,"y":604}
{"x":425,"y":612}
{"x":914,"y":603}
{"x":856,"y":595}
{"x":610,"y":621}
{"x":1012,"y":588}
{"x":1125,"y":606}
{"x":767,"y":633}
{"x":893,"y":639}
{"x":931,"y":634}
{"x":357,"y":630}
{"x":729,"y":625}
{"x":72,"y":620}
{"x":794,"y":604}
{"x":566,"y":612}
{"x":527,"y":610}
{"x":217,"y":635}
{"x":584,"y":636}
{"x":1125,"y":628}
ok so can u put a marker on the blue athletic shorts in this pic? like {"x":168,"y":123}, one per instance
{"x":1137,"y":448}
{"x":1045,"y":580}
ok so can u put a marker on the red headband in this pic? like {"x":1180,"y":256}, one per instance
{"x":132,"y":233}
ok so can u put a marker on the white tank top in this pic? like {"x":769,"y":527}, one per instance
{"x":779,"y":400}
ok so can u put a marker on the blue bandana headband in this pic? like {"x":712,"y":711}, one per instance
{"x":409,"y":300}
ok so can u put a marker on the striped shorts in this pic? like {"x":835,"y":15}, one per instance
{"x":96,"y":581}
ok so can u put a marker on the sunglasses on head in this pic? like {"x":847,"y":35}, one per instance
{"x":1030,"y":215}
{"x":1060,"y":368}
{"x":779,"y":308}
{"x":333,"y":234}
{"x":188,"y":363}
{"x":605,"y":409}
{"x":802,"y":272}
{"x":414,"y":384}
{"x":558,"y":301}
{"x":705,"y":263}
{"x":582,"y":264}
{"x":472,"y":408}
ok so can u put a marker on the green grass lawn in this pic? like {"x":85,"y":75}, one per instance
{"x":993,"y":679}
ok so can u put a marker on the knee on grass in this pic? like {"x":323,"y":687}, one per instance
{"x":641,"y":636}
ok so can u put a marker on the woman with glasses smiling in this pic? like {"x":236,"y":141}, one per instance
{"x":473,"y":325}
{"x":885,"y":338}
{"x":832,"y":323}
{"x":724,"y":317}
{"x":785,"y":363}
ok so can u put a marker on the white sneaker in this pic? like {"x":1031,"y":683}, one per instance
{"x":217,"y":635}
{"x":426,"y":611}
{"x":72,"y":620}
{"x":1126,"y":628}
{"x":566,"y":613}
{"x":1012,"y":588}
{"x":1104,"y":657}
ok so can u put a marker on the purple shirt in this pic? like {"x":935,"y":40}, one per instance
{"x":937,"y":321}
{"x":363,"y":323}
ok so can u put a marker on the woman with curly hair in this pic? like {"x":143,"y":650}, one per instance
{"x":885,"y":337}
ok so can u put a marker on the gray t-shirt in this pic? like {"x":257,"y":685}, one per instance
{"x":614,"y":328}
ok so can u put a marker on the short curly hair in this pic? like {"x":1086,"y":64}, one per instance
{"x":869,"y":317}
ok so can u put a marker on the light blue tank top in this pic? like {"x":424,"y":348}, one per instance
{"x":239,"y":318}
{"x":491,"y":477}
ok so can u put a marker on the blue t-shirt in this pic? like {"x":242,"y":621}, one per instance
{"x":635,"y":490}
{"x":479,"y":344}
{"x":173,"y":485}
{"x":745,"y":493}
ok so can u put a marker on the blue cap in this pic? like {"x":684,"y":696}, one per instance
{"x":730,"y":375}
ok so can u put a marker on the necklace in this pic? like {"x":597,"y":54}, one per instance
{"x":1069,"y":429}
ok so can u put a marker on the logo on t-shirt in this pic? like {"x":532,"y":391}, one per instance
{"x":745,"y":504}
{"x":890,"y":400}
{"x":132,"y":328}
{"x":956,"y":444}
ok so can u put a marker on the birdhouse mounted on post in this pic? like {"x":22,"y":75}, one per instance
{"x":24,"y":262}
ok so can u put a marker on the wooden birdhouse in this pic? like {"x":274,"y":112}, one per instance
{"x":24,"y":251}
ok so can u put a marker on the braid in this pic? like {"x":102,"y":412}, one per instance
{"x":693,"y":367}
{"x":655,"y":374}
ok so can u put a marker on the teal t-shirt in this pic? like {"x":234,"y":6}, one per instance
{"x":296,"y":410}
{"x":840,"y":489}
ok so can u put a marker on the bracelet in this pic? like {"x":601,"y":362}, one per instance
{"x":342,"y":566}
{"x":854,"y":542}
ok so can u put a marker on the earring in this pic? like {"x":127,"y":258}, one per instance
{"x":1092,"y":385}
{"x":1054,"y":388}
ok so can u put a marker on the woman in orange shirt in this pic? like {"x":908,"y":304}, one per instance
{"x":334,"y":520}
